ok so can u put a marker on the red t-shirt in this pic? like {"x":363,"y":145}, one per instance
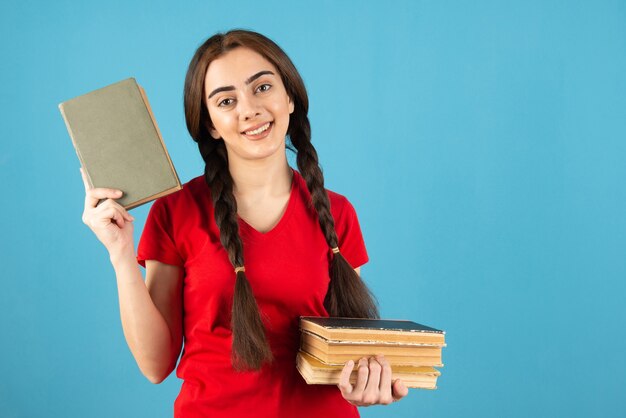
{"x":288,"y":271}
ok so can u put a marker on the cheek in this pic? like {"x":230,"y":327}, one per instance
{"x":223,"y":123}
{"x":283,"y":109}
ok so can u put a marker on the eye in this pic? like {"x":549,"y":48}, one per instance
{"x":225,"y":102}
{"x":264,"y":87}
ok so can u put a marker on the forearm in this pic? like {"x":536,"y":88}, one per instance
{"x":146,"y":331}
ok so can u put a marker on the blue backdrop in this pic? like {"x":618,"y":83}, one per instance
{"x":482,"y":143}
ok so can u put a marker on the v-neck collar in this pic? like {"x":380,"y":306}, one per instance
{"x":253,"y":233}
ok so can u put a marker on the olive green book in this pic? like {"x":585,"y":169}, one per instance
{"x":119,"y":144}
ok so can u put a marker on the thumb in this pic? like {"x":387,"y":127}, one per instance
{"x":399,"y":390}
{"x":85,"y":180}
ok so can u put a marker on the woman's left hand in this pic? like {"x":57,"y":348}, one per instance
{"x":373,"y":384}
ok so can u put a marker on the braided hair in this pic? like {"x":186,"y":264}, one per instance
{"x":347,"y":294}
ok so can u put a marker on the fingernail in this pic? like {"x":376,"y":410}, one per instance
{"x":118,"y":192}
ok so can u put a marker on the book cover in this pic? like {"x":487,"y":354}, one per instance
{"x":118,"y":143}
{"x":356,"y":329}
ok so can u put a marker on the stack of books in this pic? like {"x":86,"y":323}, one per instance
{"x":413,"y":350}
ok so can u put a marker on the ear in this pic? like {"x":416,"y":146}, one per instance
{"x":214,"y":133}
{"x":291,"y":105}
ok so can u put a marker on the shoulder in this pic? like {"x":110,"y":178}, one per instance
{"x":347,"y":227}
{"x":340,"y":206}
{"x":189,"y":193}
{"x":185,"y":205}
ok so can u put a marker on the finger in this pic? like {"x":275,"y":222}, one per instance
{"x":399,"y":390}
{"x":121,"y":219}
{"x":112,"y":203}
{"x":107,"y":213}
{"x":371,"y":394}
{"x":361,"y":377}
{"x":118,"y":218}
{"x":111,"y":214}
{"x":385,"y":381}
{"x":94,"y":196}
{"x":344,"y":379}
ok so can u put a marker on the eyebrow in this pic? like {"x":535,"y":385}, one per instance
{"x":248,"y":81}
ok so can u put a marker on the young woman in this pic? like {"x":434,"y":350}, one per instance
{"x":239,"y":254}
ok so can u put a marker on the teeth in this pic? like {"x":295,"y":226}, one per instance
{"x":258,"y":130}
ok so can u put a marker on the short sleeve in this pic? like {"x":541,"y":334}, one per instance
{"x":349,"y":234}
{"x":156,"y":242}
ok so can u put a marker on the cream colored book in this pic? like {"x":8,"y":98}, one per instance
{"x":316,"y":372}
{"x":377,"y":330}
{"x":396,"y":353}
{"x":118,"y":143}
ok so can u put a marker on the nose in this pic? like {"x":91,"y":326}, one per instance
{"x":249,"y":107}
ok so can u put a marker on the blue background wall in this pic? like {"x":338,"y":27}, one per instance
{"x":482,"y":143}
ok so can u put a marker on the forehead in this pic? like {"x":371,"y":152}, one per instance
{"x":234,"y":67}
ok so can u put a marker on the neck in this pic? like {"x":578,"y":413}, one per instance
{"x":258,"y":178}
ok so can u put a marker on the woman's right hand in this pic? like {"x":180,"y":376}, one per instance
{"x":111,"y":223}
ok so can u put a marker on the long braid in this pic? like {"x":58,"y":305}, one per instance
{"x":347,"y":294}
{"x":250,"y":348}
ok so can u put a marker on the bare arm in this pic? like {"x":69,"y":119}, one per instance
{"x":151,"y":311}
{"x":151,"y":314}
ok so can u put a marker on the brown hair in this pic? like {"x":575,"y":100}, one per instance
{"x":347,"y":294}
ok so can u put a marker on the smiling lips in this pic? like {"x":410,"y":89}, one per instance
{"x":259,"y":131}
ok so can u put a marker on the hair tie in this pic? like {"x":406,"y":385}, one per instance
{"x":335,"y":250}
{"x":240,"y":268}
